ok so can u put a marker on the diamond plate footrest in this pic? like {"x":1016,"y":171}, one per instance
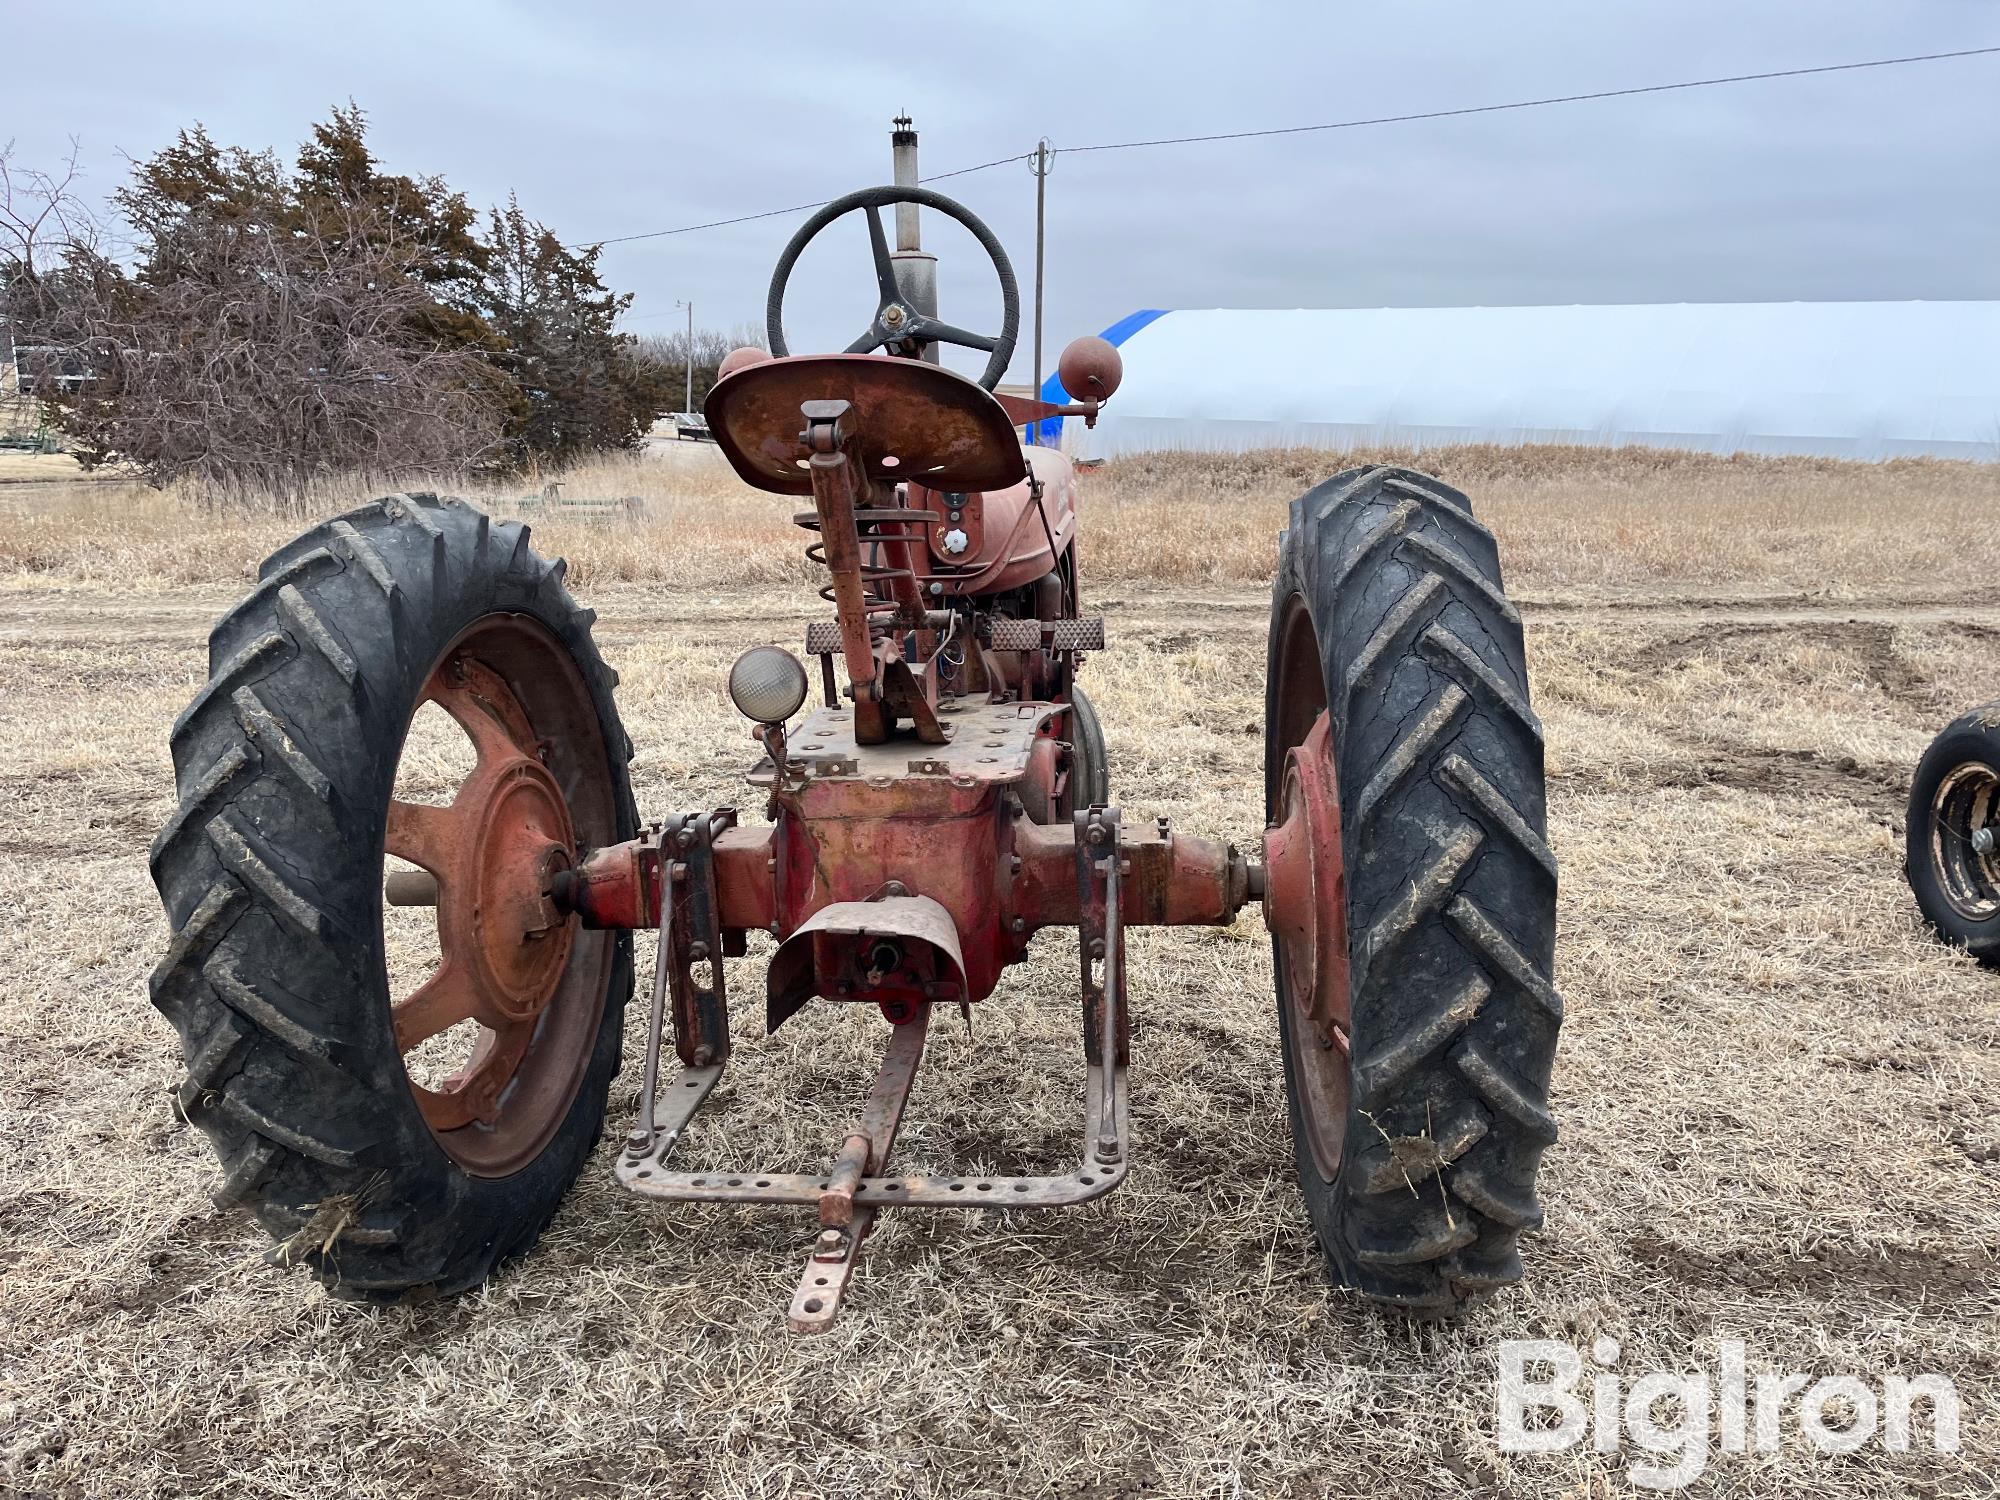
{"x":1078,"y":635}
{"x":822,"y":637}
{"x":1062,"y":635}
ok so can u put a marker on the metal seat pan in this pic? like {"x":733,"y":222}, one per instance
{"x":908,"y":420}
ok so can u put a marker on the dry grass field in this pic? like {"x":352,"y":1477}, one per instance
{"x":1780,"y":1099}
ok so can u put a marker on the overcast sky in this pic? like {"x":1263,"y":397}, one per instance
{"x":618,"y":119}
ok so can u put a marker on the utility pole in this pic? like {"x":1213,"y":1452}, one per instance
{"x":689,"y":361}
{"x":1044,"y":157}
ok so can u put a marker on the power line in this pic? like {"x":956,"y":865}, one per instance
{"x":998,"y":161}
{"x":797,"y":208}
{"x":1489,"y":109}
{"x":1434,"y":114}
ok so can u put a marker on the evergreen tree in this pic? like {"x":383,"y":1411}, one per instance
{"x":579,"y":382}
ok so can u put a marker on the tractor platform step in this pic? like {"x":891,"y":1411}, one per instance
{"x":823,"y":636}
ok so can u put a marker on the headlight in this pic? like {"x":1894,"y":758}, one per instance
{"x":767,"y":684}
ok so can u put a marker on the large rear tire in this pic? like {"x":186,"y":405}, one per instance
{"x":1954,"y":800}
{"x":1417,"y":1134}
{"x":272,"y":873}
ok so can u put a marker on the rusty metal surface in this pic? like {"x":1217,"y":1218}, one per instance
{"x":672,"y":1107}
{"x":1022,"y":410}
{"x":1099,"y":865}
{"x":844,"y":1225}
{"x":829,"y":954}
{"x":1305,"y":898}
{"x":839,"y":547}
{"x":616,"y":886}
{"x":1305,"y":906}
{"x":644,"y":1129}
{"x":823,"y":1284}
{"x":858,"y":1184}
{"x":853,"y":817}
{"x":691,"y":937}
{"x":491,"y":855}
{"x":877,"y":599}
{"x":988,"y":743}
{"x":1021,"y":536}
{"x":1091,"y":368}
{"x":1090,"y":1178}
{"x":912,"y":421}
{"x":1170,"y":879}
{"x":956,"y":524}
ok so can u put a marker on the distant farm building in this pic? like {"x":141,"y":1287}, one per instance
{"x":1841,"y":379}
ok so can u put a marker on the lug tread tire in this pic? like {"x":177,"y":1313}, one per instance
{"x":270,"y":871}
{"x":1451,"y":889}
{"x":1975,"y":737}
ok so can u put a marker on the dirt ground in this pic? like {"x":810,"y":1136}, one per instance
{"x":1780,"y":1104}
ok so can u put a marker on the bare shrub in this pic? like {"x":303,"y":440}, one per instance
{"x":269,"y":361}
{"x":668,"y":355}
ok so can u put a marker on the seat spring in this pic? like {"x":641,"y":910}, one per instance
{"x":876,"y":577}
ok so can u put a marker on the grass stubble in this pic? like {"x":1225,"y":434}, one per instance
{"x":1780,"y":1100}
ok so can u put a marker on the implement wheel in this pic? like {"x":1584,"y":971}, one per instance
{"x":1090,"y":775}
{"x":411,"y":1135}
{"x":1953,"y":832}
{"x":1411,"y":890}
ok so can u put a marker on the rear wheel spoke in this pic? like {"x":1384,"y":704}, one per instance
{"x":444,"y":1109}
{"x":492,"y":741}
{"x":424,"y":835}
{"x":438,"y":1004}
{"x":473,"y":1092}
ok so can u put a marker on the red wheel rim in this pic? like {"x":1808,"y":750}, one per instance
{"x":509,"y":959}
{"x":1306,"y":895}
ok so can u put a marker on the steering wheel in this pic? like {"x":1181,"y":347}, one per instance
{"x":898,"y":324}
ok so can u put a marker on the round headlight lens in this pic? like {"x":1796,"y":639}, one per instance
{"x":767,"y":684}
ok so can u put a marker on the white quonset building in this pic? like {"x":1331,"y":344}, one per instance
{"x":1844,"y":379}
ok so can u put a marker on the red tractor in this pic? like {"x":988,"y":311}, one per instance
{"x":945,"y":801}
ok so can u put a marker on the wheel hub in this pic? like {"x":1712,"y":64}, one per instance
{"x":1305,"y":905}
{"x":1306,"y":887}
{"x":1965,"y":806}
{"x":494,"y":854}
{"x":519,"y":838}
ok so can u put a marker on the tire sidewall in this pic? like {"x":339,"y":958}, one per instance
{"x":1971,"y":740}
